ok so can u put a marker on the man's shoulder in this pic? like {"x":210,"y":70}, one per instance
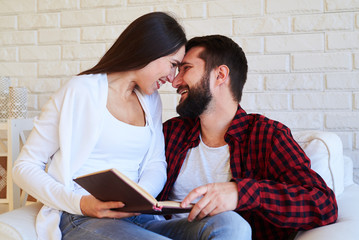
{"x":244,"y":122}
{"x":179,"y":122}
{"x":263,"y":122}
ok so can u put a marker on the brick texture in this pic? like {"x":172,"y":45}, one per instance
{"x":264,"y":25}
{"x":356,"y":102}
{"x":320,"y":101}
{"x":348,"y":81}
{"x":356,"y":61}
{"x":337,"y":5}
{"x":294,"y":6}
{"x":8,"y":54}
{"x":7,"y":23}
{"x":294,"y":82}
{"x":343,"y":41}
{"x":335,"y":121}
{"x":297,"y":120}
{"x":268,"y":63}
{"x":303,"y":55}
{"x":294,"y":43}
{"x":322,"y":62}
{"x":33,"y":53}
{"x":59,"y":36}
{"x":323,"y":22}
{"x":234,"y":8}
{"x":35,"y":21}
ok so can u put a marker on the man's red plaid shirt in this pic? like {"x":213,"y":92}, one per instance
{"x":278,"y":192}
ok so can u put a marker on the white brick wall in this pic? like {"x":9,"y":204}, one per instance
{"x":34,"y":53}
{"x":303,"y":55}
{"x":323,"y":22}
{"x":294,"y":43}
{"x":356,"y":102}
{"x":322,"y":62}
{"x":294,"y":6}
{"x":35,"y":21}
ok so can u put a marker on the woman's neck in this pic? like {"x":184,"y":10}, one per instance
{"x":121,"y":83}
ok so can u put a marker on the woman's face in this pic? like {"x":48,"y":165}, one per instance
{"x":159,"y":71}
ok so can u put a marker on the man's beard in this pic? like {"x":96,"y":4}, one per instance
{"x":197,"y":101}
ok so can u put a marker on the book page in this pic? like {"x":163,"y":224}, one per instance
{"x":174,"y":204}
{"x":138,"y":188}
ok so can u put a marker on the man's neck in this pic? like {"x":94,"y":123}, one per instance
{"x":215,"y":123}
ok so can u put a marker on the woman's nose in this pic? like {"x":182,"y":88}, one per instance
{"x":171,"y":76}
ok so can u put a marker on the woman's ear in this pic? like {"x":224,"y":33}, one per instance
{"x":222,"y":74}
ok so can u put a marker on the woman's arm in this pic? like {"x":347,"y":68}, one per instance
{"x":29,"y":169}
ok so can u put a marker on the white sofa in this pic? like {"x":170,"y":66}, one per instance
{"x":323,"y":148}
{"x":326,"y":153}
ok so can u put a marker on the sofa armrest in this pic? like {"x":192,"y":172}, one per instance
{"x":348,"y":171}
{"x":19,"y":224}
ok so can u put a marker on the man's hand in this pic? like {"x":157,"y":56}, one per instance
{"x":92,"y":207}
{"x":217,"y":198}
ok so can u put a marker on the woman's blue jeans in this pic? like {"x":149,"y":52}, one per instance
{"x":226,"y":226}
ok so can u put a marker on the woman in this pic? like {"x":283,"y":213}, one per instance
{"x":106,"y":117}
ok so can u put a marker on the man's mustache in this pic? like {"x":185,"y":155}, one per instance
{"x":182,"y":88}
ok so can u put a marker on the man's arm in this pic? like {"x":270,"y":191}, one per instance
{"x":217,"y":198}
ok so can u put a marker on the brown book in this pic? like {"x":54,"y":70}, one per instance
{"x":112,"y":185}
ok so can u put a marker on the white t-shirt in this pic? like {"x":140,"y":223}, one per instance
{"x":201,"y":166}
{"x":121,"y":146}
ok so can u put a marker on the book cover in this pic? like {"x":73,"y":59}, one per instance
{"x":112,"y":185}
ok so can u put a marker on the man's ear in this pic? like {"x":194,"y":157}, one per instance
{"x":222,"y":74}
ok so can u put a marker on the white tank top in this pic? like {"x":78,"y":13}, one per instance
{"x":121,"y":146}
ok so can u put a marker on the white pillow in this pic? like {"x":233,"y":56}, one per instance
{"x":325,"y":150}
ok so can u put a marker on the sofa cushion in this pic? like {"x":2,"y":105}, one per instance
{"x":19,"y":224}
{"x":325,"y":150}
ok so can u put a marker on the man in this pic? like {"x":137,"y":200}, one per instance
{"x":234,"y":161}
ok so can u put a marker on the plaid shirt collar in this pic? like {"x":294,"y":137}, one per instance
{"x":236,"y":131}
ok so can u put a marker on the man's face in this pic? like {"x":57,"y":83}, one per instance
{"x":197,"y":100}
{"x":193,"y":85}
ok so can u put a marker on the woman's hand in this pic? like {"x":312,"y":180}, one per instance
{"x":92,"y":207}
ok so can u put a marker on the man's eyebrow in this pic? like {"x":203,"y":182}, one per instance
{"x":183,"y":63}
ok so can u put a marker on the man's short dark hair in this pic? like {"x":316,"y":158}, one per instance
{"x":221,"y":50}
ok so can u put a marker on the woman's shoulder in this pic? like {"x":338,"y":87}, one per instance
{"x":84,"y":82}
{"x":83,"y":87}
{"x":91,"y":84}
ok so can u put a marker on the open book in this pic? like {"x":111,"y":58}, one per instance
{"x":112,"y":185}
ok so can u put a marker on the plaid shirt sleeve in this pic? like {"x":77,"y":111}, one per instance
{"x":278,"y":192}
{"x":291,"y":195}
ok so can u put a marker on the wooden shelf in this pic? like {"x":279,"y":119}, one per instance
{"x":15,"y":138}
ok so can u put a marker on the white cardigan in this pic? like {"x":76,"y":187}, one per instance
{"x":64,"y":136}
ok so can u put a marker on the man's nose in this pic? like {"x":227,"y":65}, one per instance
{"x":177,"y":81}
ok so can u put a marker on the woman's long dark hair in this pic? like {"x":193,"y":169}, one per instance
{"x":149,"y":37}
